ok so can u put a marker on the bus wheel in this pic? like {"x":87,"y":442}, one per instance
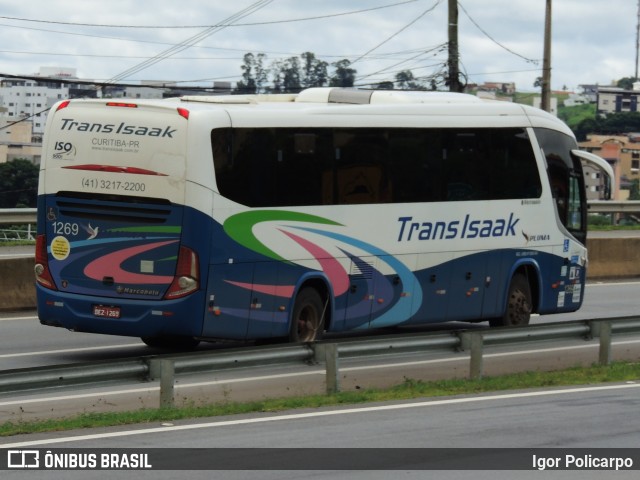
{"x":519,"y":307}
{"x":307,"y":321}
{"x":171,"y":342}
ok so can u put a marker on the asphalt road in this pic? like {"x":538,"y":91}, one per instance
{"x":591,"y":418}
{"x":25,"y":343}
{"x":575,"y":418}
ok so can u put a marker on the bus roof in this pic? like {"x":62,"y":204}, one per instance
{"x":351,"y":96}
{"x":345,"y":102}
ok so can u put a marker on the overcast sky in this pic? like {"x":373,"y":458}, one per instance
{"x":593,"y":41}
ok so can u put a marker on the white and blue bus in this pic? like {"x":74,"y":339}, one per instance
{"x":253,"y":217}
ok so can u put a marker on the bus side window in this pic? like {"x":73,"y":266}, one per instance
{"x":360,"y":174}
{"x":466,"y":162}
{"x":220,"y":144}
{"x":558,"y":179}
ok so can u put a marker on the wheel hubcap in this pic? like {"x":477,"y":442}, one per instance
{"x":308,"y":323}
{"x":519,"y":307}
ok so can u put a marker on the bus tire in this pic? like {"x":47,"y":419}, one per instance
{"x":518,"y":311}
{"x":171,"y":342}
{"x":307,"y":319}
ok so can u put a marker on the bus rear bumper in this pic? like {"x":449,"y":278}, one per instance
{"x":113,"y":316}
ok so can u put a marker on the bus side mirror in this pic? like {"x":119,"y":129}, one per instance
{"x":600,"y":164}
{"x":607,"y":188}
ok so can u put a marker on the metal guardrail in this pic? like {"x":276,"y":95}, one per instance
{"x":610,"y":206}
{"x":13,"y":235}
{"x":17,"y":216}
{"x":165,"y":367}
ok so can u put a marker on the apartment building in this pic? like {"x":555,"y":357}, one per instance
{"x":16,"y":141}
{"x":28,"y":99}
{"x":25,"y":102}
{"x":622,"y":152}
{"x":617,"y":100}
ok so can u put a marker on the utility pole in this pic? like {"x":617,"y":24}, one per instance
{"x":545,"y":102}
{"x":637,"y":40}
{"x":454,"y":56}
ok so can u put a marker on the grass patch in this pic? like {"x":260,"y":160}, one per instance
{"x":16,"y":243}
{"x":408,"y":389}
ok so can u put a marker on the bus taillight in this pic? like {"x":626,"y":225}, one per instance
{"x":122,"y":104}
{"x":187,"y":278}
{"x":41,"y":269}
{"x":62,"y":105}
{"x":183,"y":112}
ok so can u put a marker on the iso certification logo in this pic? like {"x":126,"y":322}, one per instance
{"x":64,"y":150}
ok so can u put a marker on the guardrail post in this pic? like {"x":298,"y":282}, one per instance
{"x":333,"y":369}
{"x":328,"y":352}
{"x":474,"y":342}
{"x":604,"y":355}
{"x":164,"y":369}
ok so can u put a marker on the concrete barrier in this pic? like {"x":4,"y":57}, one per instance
{"x":608,"y":258}
{"x":613,"y":258}
{"x":17,"y":284}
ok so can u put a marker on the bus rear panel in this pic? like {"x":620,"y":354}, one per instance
{"x":111,"y":255}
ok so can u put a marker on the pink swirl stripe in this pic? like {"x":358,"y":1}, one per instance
{"x":111,"y":266}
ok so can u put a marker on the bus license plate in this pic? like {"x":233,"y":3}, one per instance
{"x":108,"y":312}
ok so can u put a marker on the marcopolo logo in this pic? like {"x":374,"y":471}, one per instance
{"x":123,"y":128}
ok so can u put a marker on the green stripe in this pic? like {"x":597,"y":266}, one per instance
{"x":150,"y":229}
{"x":240,"y":227}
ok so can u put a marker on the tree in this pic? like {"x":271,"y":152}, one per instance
{"x":290,"y":71}
{"x":277,"y":81}
{"x":585,"y":127}
{"x":261,"y":73}
{"x":314,"y":71}
{"x":538,"y":82}
{"x":248,"y":82}
{"x":292,"y":74}
{"x":406,"y":81}
{"x":18,"y":184}
{"x":634,"y":193}
{"x":385,"y":86}
{"x":626,"y":83}
{"x":254,"y":75}
{"x":286,"y":75}
{"x":343,"y":76}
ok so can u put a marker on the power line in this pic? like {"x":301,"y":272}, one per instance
{"x":192,"y":40}
{"x":318,"y":17}
{"x":151,"y":42}
{"x":419,"y":54}
{"x":530,"y":60}
{"x":92,"y":55}
{"x":430,"y":9}
{"x":391,"y":5}
{"x":23,"y":119}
